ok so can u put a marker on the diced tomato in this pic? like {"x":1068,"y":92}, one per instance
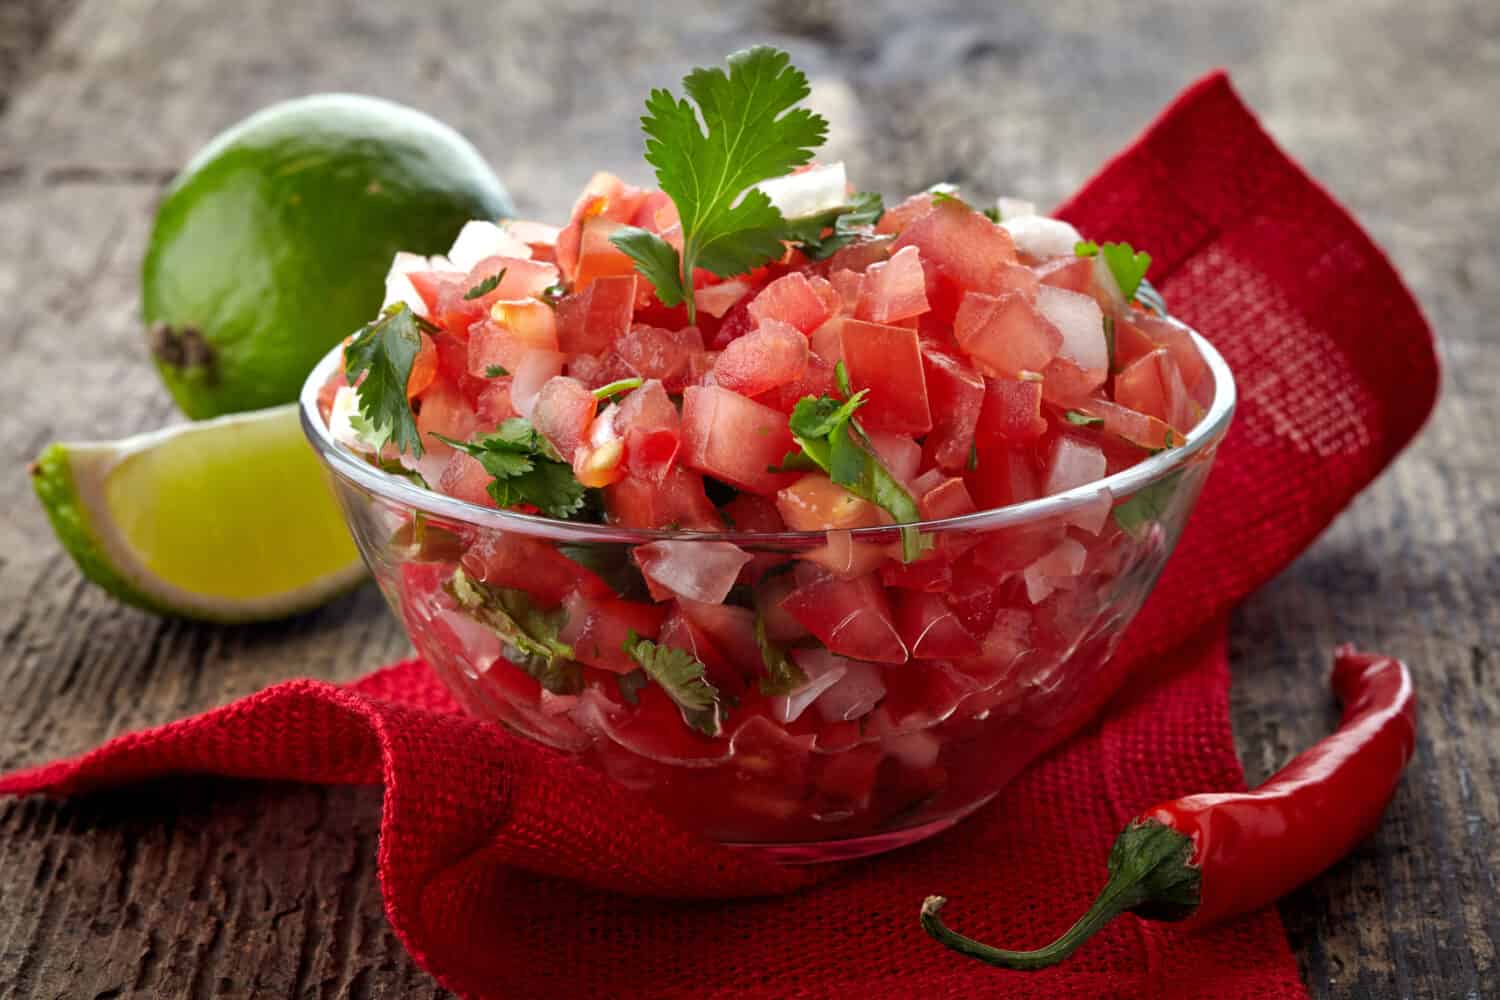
{"x":846,"y":557}
{"x":513,"y":329}
{"x":564,"y":410}
{"x":597,"y":256}
{"x":598,"y":627}
{"x":494,"y":405}
{"x":605,"y":196}
{"x":931,"y":574}
{"x":531,"y":373}
{"x":1138,"y":428}
{"x":539,"y":237}
{"x":656,"y":212}
{"x":465,"y":479}
{"x":963,"y":244}
{"x":1076,"y":274}
{"x":817,"y":503}
{"x":444,"y":410}
{"x":769,"y":594}
{"x":1005,"y":335}
{"x":773,"y":354}
{"x":680,"y":631}
{"x":892,"y":290}
{"x":956,"y":397}
{"x":900,"y":216}
{"x":595,"y":370}
{"x":888,"y":361}
{"x":654,"y":352}
{"x":1141,"y":386}
{"x":930,"y":628}
{"x":732,"y":630}
{"x":532,"y":565}
{"x":1012,"y":412}
{"x":850,"y":617}
{"x":735,"y":439}
{"x":950,"y":498}
{"x":848,"y":778}
{"x":1179,"y":343}
{"x":590,"y":321}
{"x":900,"y":454}
{"x":675,"y":500}
{"x":794,"y":299}
{"x":717,"y":299}
{"x":1131,"y":343}
{"x":1003,"y":475}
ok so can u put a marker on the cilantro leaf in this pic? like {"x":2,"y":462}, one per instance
{"x":615,"y":388}
{"x":486,"y":286}
{"x":847,"y":224}
{"x":394,"y":467}
{"x":1080,"y":419}
{"x":831,"y":439}
{"x":782,"y":675}
{"x":531,"y":635}
{"x":495,"y":371}
{"x":631,"y":684}
{"x":751,"y":131}
{"x":1128,"y":267}
{"x":1147,"y":505}
{"x":841,"y":377}
{"x":993,"y":214}
{"x":382,"y":352}
{"x":527,"y":469}
{"x":681,"y":676}
{"x":944,"y":191}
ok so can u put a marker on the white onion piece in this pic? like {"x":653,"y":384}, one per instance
{"x":1092,"y":516}
{"x":1014,"y":208}
{"x":1080,"y":321}
{"x":479,"y":239}
{"x":917,"y":749}
{"x":1039,"y":236}
{"x":529,"y":232}
{"x":1073,"y":462}
{"x":811,"y":192}
{"x":823,"y":670}
{"x":345,"y":405}
{"x":1052,"y":569}
{"x":699,"y":571}
{"x":854,"y":695}
{"x":535,"y":369}
{"x":398,"y":288}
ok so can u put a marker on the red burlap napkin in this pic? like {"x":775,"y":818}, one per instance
{"x":509,"y":872}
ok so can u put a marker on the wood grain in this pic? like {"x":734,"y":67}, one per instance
{"x":203,"y":889}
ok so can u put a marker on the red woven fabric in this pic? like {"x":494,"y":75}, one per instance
{"x":510,"y":872}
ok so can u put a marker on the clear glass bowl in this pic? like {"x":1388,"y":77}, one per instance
{"x":891,"y":752}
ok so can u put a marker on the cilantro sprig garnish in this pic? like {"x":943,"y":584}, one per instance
{"x":681,"y":676}
{"x":382,"y":352}
{"x":486,"y":286}
{"x":1128,"y":266}
{"x":530,"y":634}
{"x":830,"y":439}
{"x":751,"y":130}
{"x":527,"y":469}
{"x":782,"y":675}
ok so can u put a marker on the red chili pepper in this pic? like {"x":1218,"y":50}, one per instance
{"x":1207,"y":857}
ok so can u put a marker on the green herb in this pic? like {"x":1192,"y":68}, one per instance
{"x":495,"y":371}
{"x":394,"y":467}
{"x":1147,"y":505}
{"x":1148,"y":296}
{"x":1168,"y":442}
{"x":841,"y":378}
{"x":1128,"y":267}
{"x":831,"y":440}
{"x":681,"y":676}
{"x":531,"y":635}
{"x":382,"y":352}
{"x":631,"y":684}
{"x":782,"y":675}
{"x":751,"y":131}
{"x":973,"y":462}
{"x":993,"y":214}
{"x":1080,"y":419}
{"x":612,"y":564}
{"x":943,"y":191}
{"x":527,"y":469}
{"x":844,"y":225}
{"x":552,"y":294}
{"x":615,"y":388}
{"x":486,"y":286}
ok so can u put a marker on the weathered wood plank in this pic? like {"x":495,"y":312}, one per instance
{"x":232,"y":889}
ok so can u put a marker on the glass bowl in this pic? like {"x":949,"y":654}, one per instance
{"x":870,"y":753}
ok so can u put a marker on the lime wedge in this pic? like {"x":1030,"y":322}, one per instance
{"x":227,"y":520}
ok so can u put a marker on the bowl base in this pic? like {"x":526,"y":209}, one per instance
{"x":857,"y":847}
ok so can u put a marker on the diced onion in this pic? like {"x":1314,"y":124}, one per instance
{"x":811,"y":192}
{"x":1039,"y":236}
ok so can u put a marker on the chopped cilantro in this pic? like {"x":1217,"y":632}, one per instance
{"x":527,"y":469}
{"x":1080,"y":419}
{"x":531,"y":635}
{"x":993,"y":214}
{"x":681,"y":676}
{"x":615,"y":388}
{"x":829,"y":438}
{"x":486,"y":286}
{"x":394,"y":467}
{"x":841,"y":378}
{"x":382,"y":352}
{"x":631,"y":684}
{"x":782,"y":675}
{"x":1147,"y":505}
{"x":552,"y":294}
{"x":751,"y":131}
{"x":1128,"y":267}
{"x":973,"y":462}
{"x":845,"y":224}
{"x":495,"y":371}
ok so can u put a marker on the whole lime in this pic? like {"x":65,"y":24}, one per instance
{"x":273,"y":243}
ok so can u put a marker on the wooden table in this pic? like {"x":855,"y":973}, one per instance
{"x":233,"y":888}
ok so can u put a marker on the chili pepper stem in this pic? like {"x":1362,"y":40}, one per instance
{"x":1150,"y":869}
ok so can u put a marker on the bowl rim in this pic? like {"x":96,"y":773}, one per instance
{"x":342,"y":462}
